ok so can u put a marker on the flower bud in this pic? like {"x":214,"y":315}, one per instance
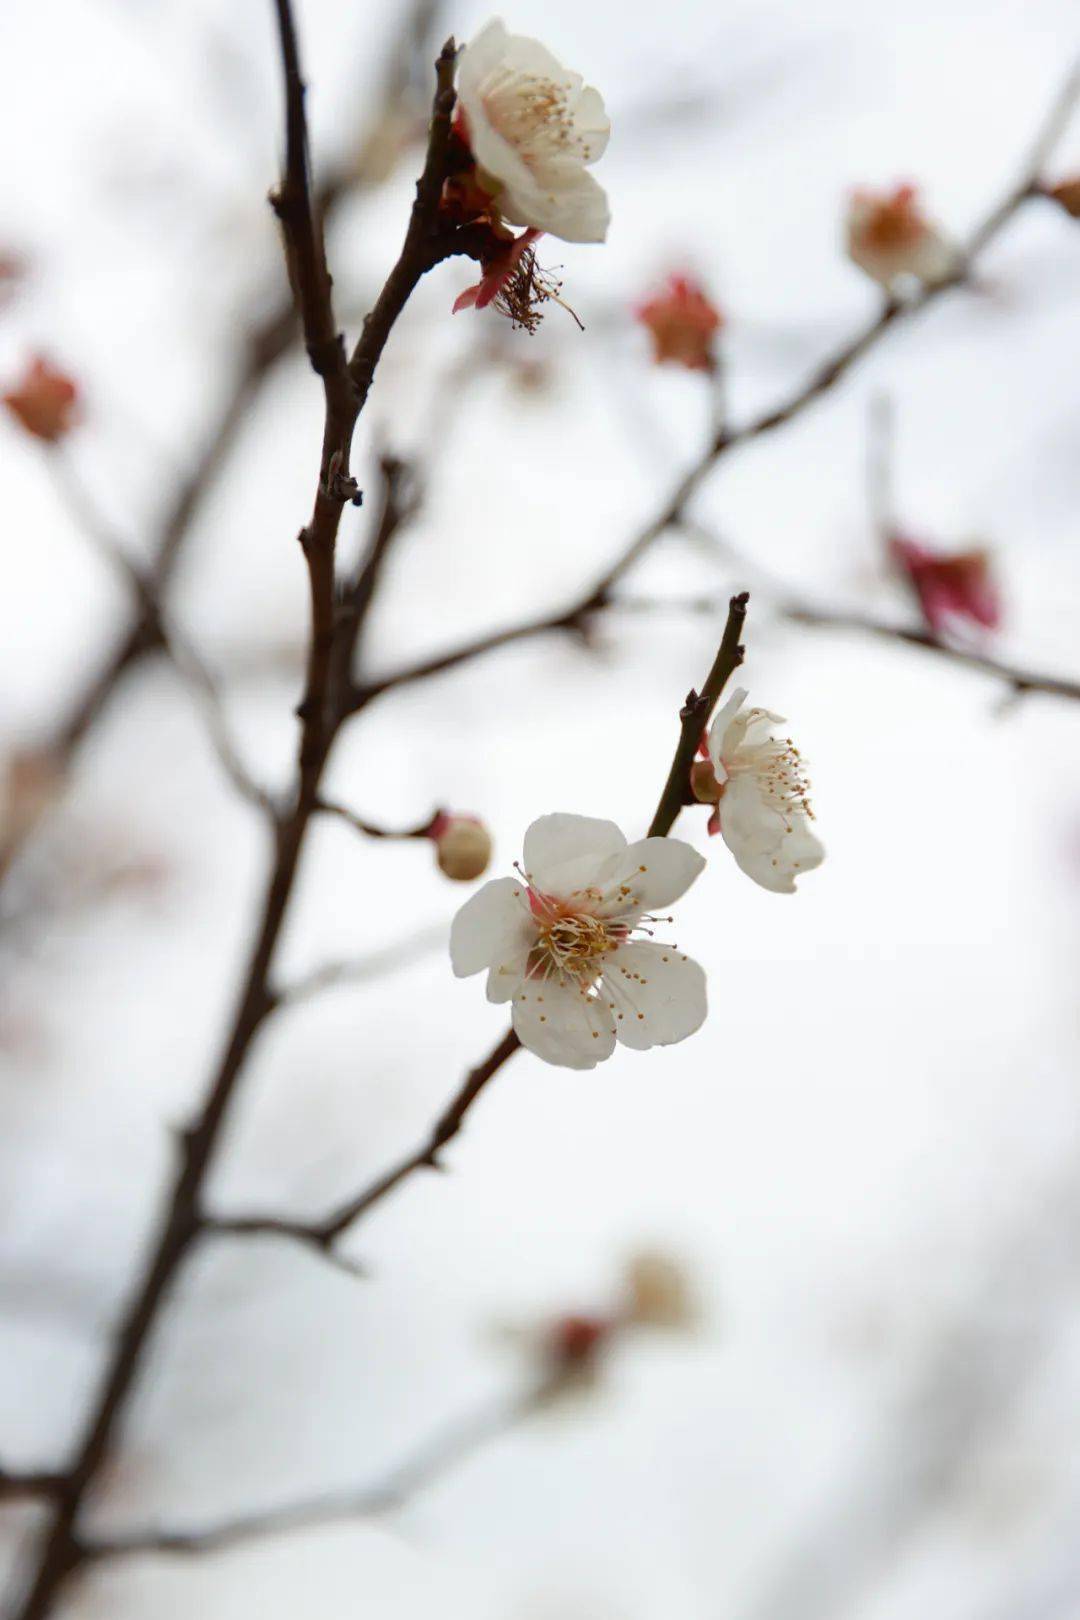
{"x":950,"y":586}
{"x":682,"y":322}
{"x":890,"y":238}
{"x":575,"y":1340}
{"x":1067,"y":194}
{"x":462,"y":846}
{"x":44,"y":402}
{"x":659,"y":1296}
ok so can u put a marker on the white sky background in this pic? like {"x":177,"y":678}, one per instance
{"x":869,"y":1156}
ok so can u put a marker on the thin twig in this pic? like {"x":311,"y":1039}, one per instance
{"x":456,"y":1443}
{"x":371,"y":829}
{"x":14,"y":1484}
{"x":360,"y":969}
{"x":175,"y":643}
{"x":694,"y":717}
{"x":574,"y":617}
{"x":323,"y":1233}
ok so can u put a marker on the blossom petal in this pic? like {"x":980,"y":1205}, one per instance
{"x":571,"y":206}
{"x":655,"y":994}
{"x":721,"y":721}
{"x":772,"y":848}
{"x":564,"y":853}
{"x":653,"y":872}
{"x":563,"y":1025}
{"x":493,"y":925}
{"x":508,"y":975}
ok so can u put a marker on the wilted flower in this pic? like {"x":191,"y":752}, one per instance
{"x":758,"y":784}
{"x":682,"y":321}
{"x":533,"y":128}
{"x":1067,"y":194}
{"x":558,"y":942}
{"x":44,"y":401}
{"x":659,"y":1295}
{"x":514,"y":283}
{"x":462,"y":846}
{"x":890,"y":237}
{"x":950,"y":586}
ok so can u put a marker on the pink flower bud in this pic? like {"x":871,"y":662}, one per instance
{"x":45,"y":401}
{"x":462,"y":846}
{"x":682,"y":322}
{"x":950,"y":586}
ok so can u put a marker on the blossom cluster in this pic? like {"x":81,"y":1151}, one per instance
{"x":570,"y":942}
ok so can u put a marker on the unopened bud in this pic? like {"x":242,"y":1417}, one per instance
{"x":462,"y":846}
{"x":44,"y":401}
{"x":703,"y":783}
{"x":1067,"y":194}
{"x":575,"y":1340}
{"x":659,"y":1294}
{"x":683,"y":322}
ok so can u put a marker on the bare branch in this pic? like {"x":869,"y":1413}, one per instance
{"x":370,"y":829}
{"x":832,"y":371}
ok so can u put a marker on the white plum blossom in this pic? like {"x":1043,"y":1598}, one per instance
{"x":533,"y":127}
{"x":759,"y":785}
{"x":558,"y":942}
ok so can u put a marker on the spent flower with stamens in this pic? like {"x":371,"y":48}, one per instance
{"x":758,"y":783}
{"x":560,"y":942}
{"x":533,"y":128}
{"x":892,"y":240}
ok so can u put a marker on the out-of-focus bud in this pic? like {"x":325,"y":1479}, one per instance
{"x":890,"y":238}
{"x":658,"y":1293}
{"x":949,"y":586}
{"x":45,"y":401}
{"x":575,"y":1341}
{"x":462,"y":846}
{"x":1067,"y":194}
{"x":683,"y":322}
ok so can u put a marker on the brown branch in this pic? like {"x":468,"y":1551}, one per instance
{"x":575,"y":616}
{"x":14,"y":1484}
{"x":322,"y":712}
{"x":370,"y":829}
{"x":1021,"y":679}
{"x":694,"y":716}
{"x":322,"y":1234}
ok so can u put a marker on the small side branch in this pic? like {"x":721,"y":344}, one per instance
{"x":324,"y":1233}
{"x":370,"y":829}
{"x":447,"y":1450}
{"x":694,"y":716}
{"x":359,"y":969}
{"x":14,"y":1485}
